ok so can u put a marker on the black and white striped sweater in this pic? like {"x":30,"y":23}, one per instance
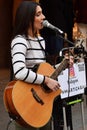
{"x":26,"y":53}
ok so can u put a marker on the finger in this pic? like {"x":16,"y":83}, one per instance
{"x":56,"y":88}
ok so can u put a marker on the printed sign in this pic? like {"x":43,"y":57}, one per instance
{"x":73,"y":80}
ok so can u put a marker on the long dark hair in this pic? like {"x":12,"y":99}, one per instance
{"x":24,"y":18}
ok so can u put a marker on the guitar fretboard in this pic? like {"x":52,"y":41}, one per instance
{"x":59,"y":69}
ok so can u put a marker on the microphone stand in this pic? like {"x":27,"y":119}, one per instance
{"x":66,"y":102}
{"x":65,"y":39}
{"x":67,"y":99}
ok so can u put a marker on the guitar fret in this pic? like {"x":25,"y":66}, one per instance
{"x":58,"y":70}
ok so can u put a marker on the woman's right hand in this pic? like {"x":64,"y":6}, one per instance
{"x":52,"y":84}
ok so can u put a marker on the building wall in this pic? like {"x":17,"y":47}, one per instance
{"x":5,"y":31}
{"x":7,"y":14}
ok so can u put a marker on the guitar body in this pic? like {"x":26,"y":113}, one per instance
{"x":32,"y":102}
{"x":10,"y":106}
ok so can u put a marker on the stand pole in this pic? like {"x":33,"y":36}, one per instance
{"x":52,"y":124}
{"x":64,"y":116}
{"x":83,"y":119}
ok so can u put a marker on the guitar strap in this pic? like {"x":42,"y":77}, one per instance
{"x":42,"y":46}
{"x":35,"y":68}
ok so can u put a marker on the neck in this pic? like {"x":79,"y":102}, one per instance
{"x":30,"y":33}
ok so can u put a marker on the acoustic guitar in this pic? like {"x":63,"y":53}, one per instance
{"x":31,"y":104}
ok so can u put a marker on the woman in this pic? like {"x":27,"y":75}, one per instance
{"x":28,"y":49}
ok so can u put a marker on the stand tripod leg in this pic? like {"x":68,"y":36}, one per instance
{"x":83,"y":119}
{"x":64,"y":116}
{"x":52,"y":124}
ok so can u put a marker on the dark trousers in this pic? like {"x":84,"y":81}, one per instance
{"x":58,"y":114}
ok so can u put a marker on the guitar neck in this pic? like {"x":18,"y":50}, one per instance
{"x":59,"y":69}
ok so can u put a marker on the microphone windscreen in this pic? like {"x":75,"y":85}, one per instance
{"x":45,"y":23}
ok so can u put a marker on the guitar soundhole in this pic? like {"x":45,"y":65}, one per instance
{"x":46,"y":89}
{"x":36,"y":97}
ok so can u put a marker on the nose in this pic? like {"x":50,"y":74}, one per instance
{"x":43,"y":16}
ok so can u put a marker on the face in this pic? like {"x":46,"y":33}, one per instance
{"x":39,"y":17}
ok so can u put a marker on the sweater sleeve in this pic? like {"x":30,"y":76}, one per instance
{"x":21,"y":72}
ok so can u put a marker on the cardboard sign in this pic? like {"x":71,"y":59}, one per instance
{"x":73,"y":80}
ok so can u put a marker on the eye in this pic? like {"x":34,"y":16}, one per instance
{"x":38,"y":14}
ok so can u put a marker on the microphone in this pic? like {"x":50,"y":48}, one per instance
{"x":49,"y":25}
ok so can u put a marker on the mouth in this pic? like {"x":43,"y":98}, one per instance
{"x":42,"y":24}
